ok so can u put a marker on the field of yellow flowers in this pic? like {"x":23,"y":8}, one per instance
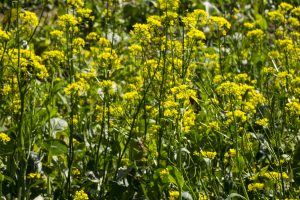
{"x":149,"y":99}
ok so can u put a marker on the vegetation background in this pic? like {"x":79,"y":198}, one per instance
{"x":152,"y":99}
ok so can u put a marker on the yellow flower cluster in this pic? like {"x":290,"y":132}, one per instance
{"x":230,"y":153}
{"x":80,"y":195}
{"x":80,"y":87}
{"x":202,"y":197}
{"x":196,"y":18}
{"x":34,"y":175}
{"x":256,"y":186}
{"x":67,"y":20}
{"x":173,"y":195}
{"x":135,"y":49}
{"x":285,"y":7}
{"x":256,"y":34}
{"x":222,"y":24}
{"x":75,"y":3}
{"x":263,"y":122}
{"x":54,"y":54}
{"x":236,"y":116}
{"x":188,"y":120}
{"x":141,"y":33}
{"x":4,"y":137}
{"x":171,"y":5}
{"x":110,"y":58}
{"x":57,"y":33}
{"x":29,"y":18}
{"x":275,"y":175}
{"x":78,"y":42}
{"x":196,"y":34}
{"x":293,"y":106}
{"x":208,"y":154}
{"x":4,"y":35}
{"x":276,"y":16}
{"x":164,"y":172}
{"x":75,"y":171}
{"x":6,"y":89}
{"x":85,"y":13}
{"x":29,"y":63}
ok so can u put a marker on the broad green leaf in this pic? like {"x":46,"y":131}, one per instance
{"x":55,"y":147}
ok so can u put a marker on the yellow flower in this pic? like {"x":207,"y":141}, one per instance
{"x":141,"y":32}
{"x":236,"y":115}
{"x":75,"y":172}
{"x":276,"y":16}
{"x":173,"y":195}
{"x":214,"y":125}
{"x":296,"y":11}
{"x":169,"y":4}
{"x":92,"y":36}
{"x":221,"y":23}
{"x":275,"y":175}
{"x":75,"y":3}
{"x":56,"y":33}
{"x":249,"y":25}
{"x":6,"y":89}
{"x":256,"y":34}
{"x":209,"y":154}
{"x":80,"y":195}
{"x":285,"y":7}
{"x":196,"y":34}
{"x":131,"y":95}
{"x":55,"y":54}
{"x":84,"y":12}
{"x":34,"y":175}
{"x":4,"y":35}
{"x":4,"y":137}
{"x":164,"y":172}
{"x":29,"y":18}
{"x":202,"y":197}
{"x":67,"y":20}
{"x":293,"y":106}
{"x":230,"y":153}
{"x":135,"y":49}
{"x":263,"y":122}
{"x":256,"y":186}
{"x":78,"y":42}
{"x":154,"y":21}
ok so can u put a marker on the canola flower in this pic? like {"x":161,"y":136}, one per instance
{"x":196,"y":34}
{"x":222,"y":24}
{"x":4,"y":35}
{"x":230,"y":153}
{"x":29,"y":18}
{"x":34,"y":175}
{"x":174,"y":195}
{"x":75,"y":3}
{"x":256,"y":34}
{"x":256,"y":186}
{"x":206,"y":154}
{"x":4,"y":137}
{"x":169,"y":4}
{"x":263,"y":122}
{"x":80,"y":195}
{"x":202,"y":197}
{"x":111,"y":76}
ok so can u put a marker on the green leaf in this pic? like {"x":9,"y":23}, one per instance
{"x":179,"y":178}
{"x":55,"y":147}
{"x":56,"y":125}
